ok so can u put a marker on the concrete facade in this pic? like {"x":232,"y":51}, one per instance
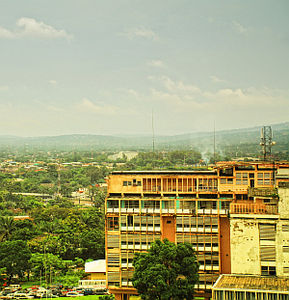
{"x":245,"y":257}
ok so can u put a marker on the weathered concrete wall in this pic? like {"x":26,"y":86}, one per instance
{"x":283,"y":202}
{"x":282,"y":248}
{"x":245,"y":257}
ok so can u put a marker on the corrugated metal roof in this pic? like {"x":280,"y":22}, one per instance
{"x":247,"y":282}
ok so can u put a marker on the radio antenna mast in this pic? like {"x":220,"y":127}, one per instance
{"x":214,"y":142}
{"x":153,"y":132}
{"x":266,"y":141}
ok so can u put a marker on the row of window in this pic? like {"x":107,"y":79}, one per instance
{"x":132,"y":183}
{"x":167,"y":204}
{"x":192,"y":184}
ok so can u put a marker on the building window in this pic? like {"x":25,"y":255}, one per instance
{"x":226,"y":180}
{"x":112,"y":223}
{"x":267,"y":232}
{"x":241,"y":178}
{"x":112,"y":203}
{"x":129,"y":220}
{"x":268,"y":271}
{"x":130,"y":203}
{"x":265,"y":178}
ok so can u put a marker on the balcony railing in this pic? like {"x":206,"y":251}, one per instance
{"x":253,"y":208}
{"x":262,"y":192}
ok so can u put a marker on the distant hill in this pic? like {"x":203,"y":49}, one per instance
{"x":200,"y":140}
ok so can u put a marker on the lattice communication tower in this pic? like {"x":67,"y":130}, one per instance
{"x":266,"y":141}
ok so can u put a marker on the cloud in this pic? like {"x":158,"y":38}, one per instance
{"x":175,"y":95}
{"x":49,"y":107}
{"x":156,"y":63}
{"x":230,"y":92}
{"x":240,"y":28}
{"x":140,"y":32}
{"x":29,"y":27}
{"x":176,"y":86}
{"x":88,"y":106}
{"x":52,"y":82}
{"x":217,"y":79}
{"x":6,"y":34}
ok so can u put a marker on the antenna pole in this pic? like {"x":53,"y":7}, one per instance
{"x":153,"y":132}
{"x":214,"y":143}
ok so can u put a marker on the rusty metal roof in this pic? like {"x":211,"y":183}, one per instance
{"x":247,"y":282}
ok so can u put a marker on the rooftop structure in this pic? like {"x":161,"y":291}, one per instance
{"x":241,"y":287}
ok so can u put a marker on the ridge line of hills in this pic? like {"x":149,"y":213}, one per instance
{"x":198,"y":140}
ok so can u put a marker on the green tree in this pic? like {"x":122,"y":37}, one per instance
{"x":166,"y":271}
{"x":42,"y":264}
{"x":14,"y":256}
{"x":7,"y":225}
{"x":92,"y":244}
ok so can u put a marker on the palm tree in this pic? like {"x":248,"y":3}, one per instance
{"x":7,"y":226}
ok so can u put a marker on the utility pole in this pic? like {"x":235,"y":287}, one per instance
{"x":153,"y":139}
{"x":153,"y":132}
{"x":214,"y":143}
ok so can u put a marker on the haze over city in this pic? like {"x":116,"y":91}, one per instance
{"x":101,"y":67}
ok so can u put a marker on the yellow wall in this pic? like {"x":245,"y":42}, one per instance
{"x":97,"y":276}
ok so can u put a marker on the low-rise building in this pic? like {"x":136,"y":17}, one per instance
{"x":96,"y":275}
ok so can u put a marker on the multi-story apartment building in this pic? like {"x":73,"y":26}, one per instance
{"x":187,"y":206}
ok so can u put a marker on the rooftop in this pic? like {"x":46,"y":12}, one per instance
{"x":247,"y":282}
{"x":166,"y":172}
{"x":96,"y":266}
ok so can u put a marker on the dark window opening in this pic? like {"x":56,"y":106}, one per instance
{"x":129,"y":220}
{"x":226,"y":172}
{"x":268,"y":271}
{"x":208,"y":196}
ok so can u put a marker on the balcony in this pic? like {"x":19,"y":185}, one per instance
{"x":168,"y":210}
{"x":150,"y":210}
{"x":253,"y":208}
{"x":130,"y":210}
{"x":209,"y":268}
{"x":208,"y":211}
{"x":112,"y":210}
{"x":262,"y":192}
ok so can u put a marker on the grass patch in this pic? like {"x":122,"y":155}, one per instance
{"x":90,"y":297}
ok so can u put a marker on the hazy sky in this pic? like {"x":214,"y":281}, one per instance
{"x":102,"y":66}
